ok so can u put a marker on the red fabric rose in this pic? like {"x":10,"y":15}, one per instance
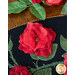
{"x":54,"y":2}
{"x":65,"y":62}
{"x":36,"y":1}
{"x":19,"y":70}
{"x":37,"y":39}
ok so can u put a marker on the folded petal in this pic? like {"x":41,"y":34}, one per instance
{"x":43,"y":53}
{"x":30,"y":25}
{"x":23,"y":73}
{"x":36,"y":1}
{"x":26,"y":39}
{"x":54,"y":2}
{"x":25,"y":50}
{"x":51,"y":34}
{"x":14,"y":73}
{"x":65,"y":73}
{"x":42,"y":43}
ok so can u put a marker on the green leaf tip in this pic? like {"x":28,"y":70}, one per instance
{"x":10,"y":45}
{"x":63,"y":43}
{"x":64,"y":54}
{"x":10,"y":66}
{"x":64,"y":9}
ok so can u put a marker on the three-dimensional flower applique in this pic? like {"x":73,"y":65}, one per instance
{"x":65,"y":62}
{"x":19,"y":70}
{"x":36,"y":1}
{"x":49,"y":2}
{"x":37,"y":39}
{"x":54,"y":2}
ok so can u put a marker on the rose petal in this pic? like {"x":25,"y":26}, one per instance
{"x":23,"y":73}
{"x":41,"y":44}
{"x":33,"y":34}
{"x":27,"y":40}
{"x":65,"y":73}
{"x":43,"y":53}
{"x":25,"y":50}
{"x":23,"y":68}
{"x":19,"y":70}
{"x":65,"y":62}
{"x":22,"y":42}
{"x":54,"y":2}
{"x":37,"y":28}
{"x":36,"y":1}
{"x":52,"y":34}
{"x":30,"y":25}
{"x":65,"y":57}
{"x":14,"y":73}
{"x":40,"y":31}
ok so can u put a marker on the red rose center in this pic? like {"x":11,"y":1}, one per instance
{"x":36,"y":39}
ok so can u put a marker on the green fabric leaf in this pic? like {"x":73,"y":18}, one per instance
{"x":63,"y":43}
{"x":64,"y":54}
{"x":38,"y":11}
{"x":54,"y":49}
{"x":64,"y":10}
{"x":34,"y":56}
{"x":10,"y":66}
{"x":12,"y":57}
{"x":25,"y":2}
{"x":47,"y":71}
{"x":30,"y":1}
{"x":16,"y":7}
{"x":10,"y":45}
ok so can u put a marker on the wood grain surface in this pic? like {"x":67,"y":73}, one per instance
{"x":15,"y":20}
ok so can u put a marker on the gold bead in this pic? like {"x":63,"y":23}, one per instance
{"x":36,"y":39}
{"x":60,"y":68}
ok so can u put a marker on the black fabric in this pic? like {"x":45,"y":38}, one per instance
{"x":58,"y":24}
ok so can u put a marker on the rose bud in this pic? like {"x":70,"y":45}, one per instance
{"x":36,"y":1}
{"x":54,"y":2}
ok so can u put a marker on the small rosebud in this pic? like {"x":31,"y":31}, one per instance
{"x":36,"y":1}
{"x":54,"y":2}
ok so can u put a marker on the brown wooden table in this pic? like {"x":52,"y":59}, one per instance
{"x":15,"y":20}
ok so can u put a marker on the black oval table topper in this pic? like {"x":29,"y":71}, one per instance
{"x":58,"y":24}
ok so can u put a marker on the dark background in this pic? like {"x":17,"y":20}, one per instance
{"x":58,"y":24}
